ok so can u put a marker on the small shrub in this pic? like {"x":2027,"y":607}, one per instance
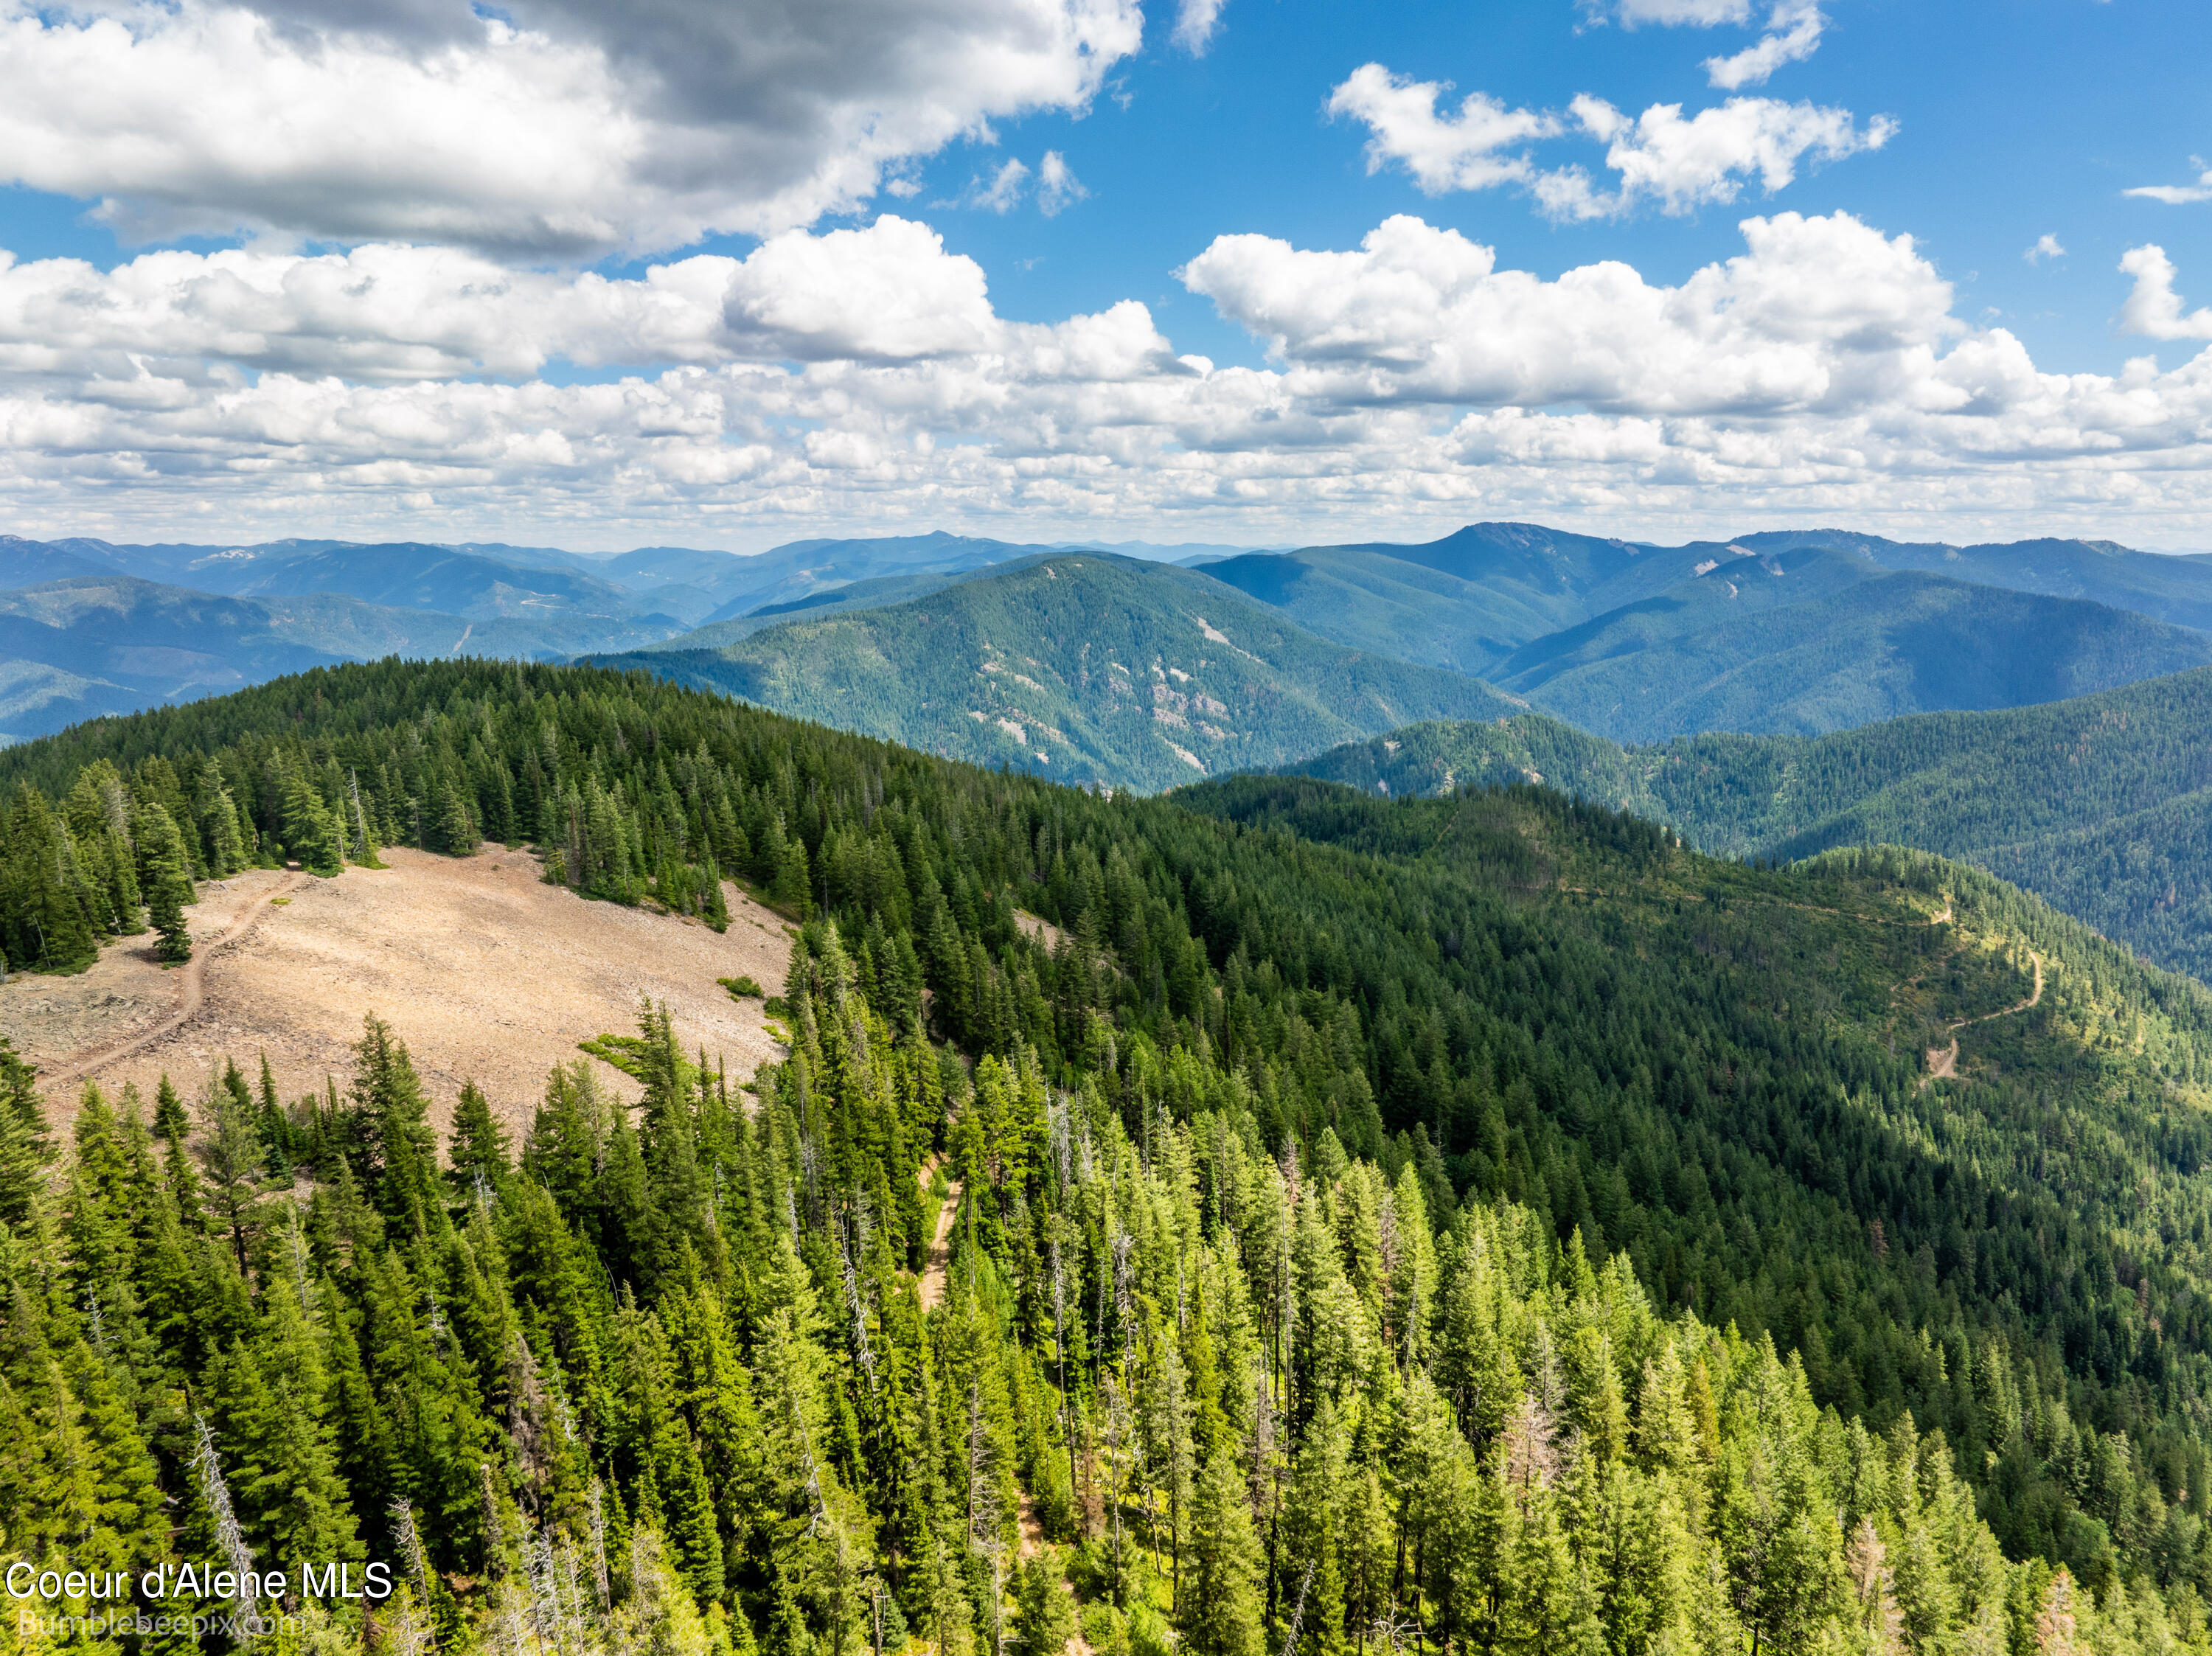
{"x":1104,"y":1629}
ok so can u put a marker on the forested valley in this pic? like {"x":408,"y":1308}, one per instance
{"x":1479,"y":1223}
{"x":2097,"y":803}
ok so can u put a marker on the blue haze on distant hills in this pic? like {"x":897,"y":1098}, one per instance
{"x":1790,"y":631}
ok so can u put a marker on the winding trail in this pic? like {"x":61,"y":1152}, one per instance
{"x":191,"y":990}
{"x":2034,"y":995}
{"x":1943,"y":1062}
{"x":939,"y":1260}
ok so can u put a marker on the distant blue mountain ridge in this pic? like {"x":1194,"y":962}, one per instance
{"x":1779,"y":631}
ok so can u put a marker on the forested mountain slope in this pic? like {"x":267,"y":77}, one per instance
{"x":2102,"y":804}
{"x":79,"y":648}
{"x":1777,"y":632}
{"x":413,"y":576}
{"x":874,"y":592}
{"x":1082,"y":666}
{"x":89,"y":628}
{"x":1803,"y":642}
{"x":1473,"y":597}
{"x":800,"y":570}
{"x":1463,"y":602}
{"x":1373,"y":601}
{"x":2167,"y":587}
{"x":1476,"y":1221}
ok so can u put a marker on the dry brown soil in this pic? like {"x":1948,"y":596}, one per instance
{"x":935,"y":1262}
{"x":1046,"y":933}
{"x":483,"y":970}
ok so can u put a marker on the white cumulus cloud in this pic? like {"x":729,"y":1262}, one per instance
{"x":1197,"y":22}
{"x":1680,"y":164}
{"x":1696,"y":14}
{"x":553,"y":129}
{"x":1460,"y":151}
{"x":863,"y":376}
{"x":1001,"y":192}
{"x":1663,"y":158}
{"x":886,"y":293}
{"x":2153,"y":310}
{"x":1057,"y":186}
{"x":2047,"y":245}
{"x":1819,"y":313}
{"x":1793,"y":34}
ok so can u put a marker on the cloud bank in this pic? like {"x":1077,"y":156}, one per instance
{"x":863,"y":376}
{"x":412,"y":340}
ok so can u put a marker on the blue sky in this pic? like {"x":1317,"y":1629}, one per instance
{"x":539,"y":275}
{"x":2017,"y":118}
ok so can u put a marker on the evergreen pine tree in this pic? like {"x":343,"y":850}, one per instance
{"x":310,"y":833}
{"x":236,"y":1160}
{"x":123,"y":894}
{"x":172,"y":1125}
{"x":45,"y":910}
{"x":717,"y":911}
{"x":455,"y":832}
{"x":1044,"y":1614}
{"x":165,"y":877}
{"x":283,"y":1459}
{"x":1221,"y":1605}
{"x":392,"y":1126}
{"x":219,"y":833}
{"x":26,"y":1151}
{"x":273,"y":1125}
{"x":478,"y":1150}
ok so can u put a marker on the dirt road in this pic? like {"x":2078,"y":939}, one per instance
{"x":935,"y":1263}
{"x":1943,"y":1062}
{"x":191,"y":990}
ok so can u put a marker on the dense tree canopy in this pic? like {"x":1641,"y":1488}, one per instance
{"x":1479,"y":1221}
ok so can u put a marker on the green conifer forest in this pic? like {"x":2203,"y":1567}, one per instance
{"x":1464,"y":1225}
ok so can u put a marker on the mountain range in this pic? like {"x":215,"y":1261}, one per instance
{"x":1800,"y":631}
{"x":1794,"y":632}
{"x":2036,"y":707}
{"x":77,"y":652}
{"x":1085,"y":667}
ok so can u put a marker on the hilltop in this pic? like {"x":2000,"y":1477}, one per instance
{"x":1931,"y":1149}
{"x":1476,"y":1117}
{"x":2098,"y":804}
{"x":431,"y":944}
{"x":1089,"y":668}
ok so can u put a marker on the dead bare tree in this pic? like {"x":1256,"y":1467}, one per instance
{"x":229,"y":1539}
{"x":1059,"y":1349}
{"x":985,"y":1519}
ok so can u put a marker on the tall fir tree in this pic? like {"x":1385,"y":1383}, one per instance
{"x":165,"y":876}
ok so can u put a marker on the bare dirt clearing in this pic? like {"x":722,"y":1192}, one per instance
{"x":1048,"y":935}
{"x":480,"y":968}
